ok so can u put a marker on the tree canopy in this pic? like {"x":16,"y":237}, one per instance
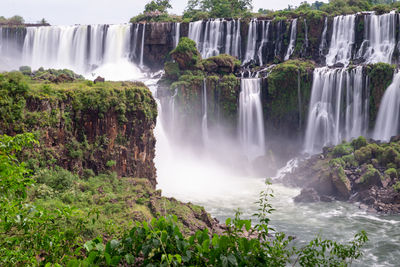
{"x":220,"y":8}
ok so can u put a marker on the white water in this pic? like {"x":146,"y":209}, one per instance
{"x":387,"y":122}
{"x":380,"y":38}
{"x":264,"y":39}
{"x":251,"y":41}
{"x":91,"y":50}
{"x":251,"y":120}
{"x":142,"y":48}
{"x":343,"y":36}
{"x":216,"y":36}
{"x":338,"y":108}
{"x":292,"y":43}
{"x":189,"y":176}
{"x":177,"y":33}
{"x":204,"y":124}
{"x":324,"y":43}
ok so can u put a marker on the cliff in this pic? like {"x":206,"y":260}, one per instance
{"x":83,"y":126}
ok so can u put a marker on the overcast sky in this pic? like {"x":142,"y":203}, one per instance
{"x":68,"y":12}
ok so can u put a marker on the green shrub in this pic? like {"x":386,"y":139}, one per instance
{"x":111,"y":163}
{"x":58,"y":178}
{"x":389,"y":155}
{"x":342,"y":150}
{"x":161,"y":243}
{"x":26,"y":70}
{"x":359,"y":142}
{"x":350,"y":160}
{"x":369,"y":174}
{"x":392,"y":173}
{"x":396,"y":186}
{"x":363,"y":155}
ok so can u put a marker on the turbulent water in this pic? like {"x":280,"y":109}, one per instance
{"x":339,"y":107}
{"x":338,"y":110}
{"x":292,"y":43}
{"x":251,"y":123}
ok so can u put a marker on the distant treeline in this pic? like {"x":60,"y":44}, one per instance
{"x":18,"y":20}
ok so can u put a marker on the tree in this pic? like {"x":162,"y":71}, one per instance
{"x":157,"y":5}
{"x":16,"y":20}
{"x":220,"y":8}
{"x":43,"y":21}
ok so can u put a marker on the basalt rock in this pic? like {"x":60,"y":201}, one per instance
{"x":103,"y":127}
{"x":366,"y":173}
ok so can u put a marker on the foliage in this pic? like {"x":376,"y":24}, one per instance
{"x":218,"y":8}
{"x":14,"y":20}
{"x":156,"y":11}
{"x":30,"y":234}
{"x":380,"y":77}
{"x":157,"y":5}
{"x":186,"y":54}
{"x":161,"y":243}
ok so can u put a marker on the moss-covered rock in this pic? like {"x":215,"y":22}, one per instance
{"x":186,"y":54}
{"x":288,"y":93}
{"x":222,"y":64}
{"x":380,"y":77}
{"x":81,"y":125}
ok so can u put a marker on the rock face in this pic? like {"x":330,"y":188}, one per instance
{"x":158,"y":42}
{"x":102,"y":127}
{"x":357,"y":172}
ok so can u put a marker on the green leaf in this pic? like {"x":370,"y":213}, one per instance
{"x":232,"y":260}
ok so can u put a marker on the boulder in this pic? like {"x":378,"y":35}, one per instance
{"x":341,"y":183}
{"x":99,"y":80}
{"x":307,"y":195}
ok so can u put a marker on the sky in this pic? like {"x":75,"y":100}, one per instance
{"x":68,"y":12}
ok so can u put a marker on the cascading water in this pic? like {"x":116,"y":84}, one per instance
{"x":343,"y":37}
{"x":305,"y":45}
{"x":251,"y":41}
{"x":380,"y":38}
{"x":338,"y":108}
{"x":324,"y":44}
{"x":216,"y":36}
{"x":264,"y":39}
{"x":177,"y":33}
{"x":204,"y":124}
{"x":251,"y":120}
{"x":293,"y":34}
{"x":142,"y":47}
{"x":387,"y":122}
{"x":88,"y":49}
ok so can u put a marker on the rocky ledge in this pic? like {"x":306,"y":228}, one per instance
{"x":364,"y":172}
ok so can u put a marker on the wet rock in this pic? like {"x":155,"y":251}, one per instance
{"x":307,"y":195}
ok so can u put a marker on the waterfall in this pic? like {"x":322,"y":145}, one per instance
{"x":82,"y":48}
{"x":142,"y":48}
{"x":177,"y":34}
{"x":380,"y":38}
{"x":305,"y":35}
{"x":251,"y":121}
{"x":387,"y":122}
{"x":338,"y":108}
{"x":343,"y":37}
{"x":96,"y":44}
{"x":264,"y":40}
{"x":299,"y":96}
{"x":251,"y":41}
{"x":324,"y":43}
{"x":292,"y":43}
{"x":216,"y":36}
{"x":134,"y":40}
{"x":204,"y":125}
